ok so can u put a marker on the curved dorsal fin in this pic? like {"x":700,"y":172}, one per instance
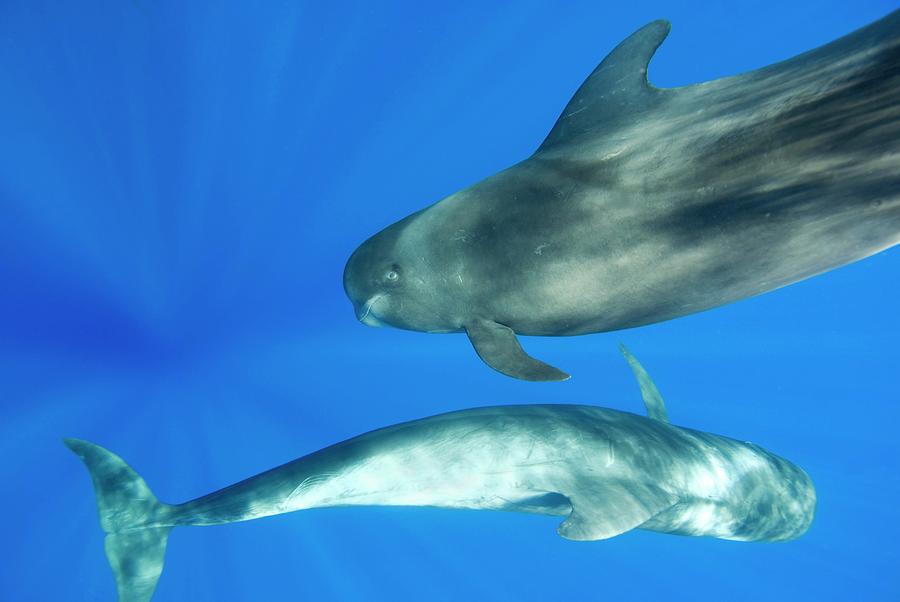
{"x":653,"y":401}
{"x":617,"y":88}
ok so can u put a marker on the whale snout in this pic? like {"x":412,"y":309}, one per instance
{"x":365,"y":313}
{"x":354,"y":273}
{"x":361,"y":296}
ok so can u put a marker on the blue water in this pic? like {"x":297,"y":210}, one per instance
{"x":180,"y":185}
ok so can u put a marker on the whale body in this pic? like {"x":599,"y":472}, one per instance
{"x":605,"y":470}
{"x":646,"y":204}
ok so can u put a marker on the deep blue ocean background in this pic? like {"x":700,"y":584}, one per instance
{"x":180,"y":186}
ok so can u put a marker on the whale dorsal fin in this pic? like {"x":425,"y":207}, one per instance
{"x":616,"y":90}
{"x":653,"y":401}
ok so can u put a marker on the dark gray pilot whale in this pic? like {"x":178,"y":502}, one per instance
{"x":645,"y":204}
{"x":605,"y":470}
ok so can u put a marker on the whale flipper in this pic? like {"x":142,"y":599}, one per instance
{"x":498,"y":346}
{"x":617,"y":89}
{"x":609,"y":509}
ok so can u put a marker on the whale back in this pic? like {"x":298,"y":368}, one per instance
{"x":617,"y":94}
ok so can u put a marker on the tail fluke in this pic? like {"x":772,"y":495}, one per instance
{"x":135,"y":522}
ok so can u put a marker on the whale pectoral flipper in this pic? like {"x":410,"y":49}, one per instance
{"x":609,"y":509}
{"x":498,"y":346}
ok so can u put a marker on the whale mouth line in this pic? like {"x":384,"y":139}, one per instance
{"x":367,"y":317}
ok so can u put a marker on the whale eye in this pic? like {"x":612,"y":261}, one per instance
{"x":392,"y":275}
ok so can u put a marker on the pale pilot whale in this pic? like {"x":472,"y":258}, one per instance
{"x":646,"y":204}
{"x":605,"y":470}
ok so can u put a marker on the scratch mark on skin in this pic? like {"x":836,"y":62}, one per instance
{"x":512,"y":469}
{"x":530,"y":449}
{"x":308,"y":482}
{"x":577,"y":111}
{"x":462,"y":235}
{"x":581,"y":448}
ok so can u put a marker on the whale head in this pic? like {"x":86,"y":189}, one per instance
{"x":392,"y":280}
{"x":777,"y":498}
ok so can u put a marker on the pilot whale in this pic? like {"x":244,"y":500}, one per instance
{"x":605,"y":470}
{"x":645,"y":204}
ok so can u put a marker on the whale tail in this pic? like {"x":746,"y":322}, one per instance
{"x":133,"y":519}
